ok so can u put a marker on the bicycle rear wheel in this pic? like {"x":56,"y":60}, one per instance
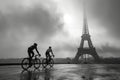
{"x":25,"y":63}
{"x":37,"y":63}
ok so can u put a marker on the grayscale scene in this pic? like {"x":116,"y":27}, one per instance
{"x":59,"y":40}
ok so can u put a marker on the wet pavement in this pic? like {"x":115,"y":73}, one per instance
{"x":63,"y":72}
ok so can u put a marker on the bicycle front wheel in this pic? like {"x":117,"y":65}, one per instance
{"x":37,"y":63}
{"x":25,"y":63}
{"x":44,"y":63}
{"x":51,"y":63}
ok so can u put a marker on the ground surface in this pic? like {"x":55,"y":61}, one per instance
{"x":63,"y":72}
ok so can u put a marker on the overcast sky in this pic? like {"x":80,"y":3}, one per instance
{"x":58,"y":23}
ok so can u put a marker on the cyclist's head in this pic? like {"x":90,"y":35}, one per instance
{"x":35,"y":44}
{"x":50,"y":47}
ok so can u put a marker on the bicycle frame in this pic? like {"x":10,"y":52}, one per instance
{"x":47,"y":58}
{"x":34,"y":58}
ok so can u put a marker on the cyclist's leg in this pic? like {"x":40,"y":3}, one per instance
{"x":47,"y":57}
{"x":32,"y":54}
{"x":30,"y":57}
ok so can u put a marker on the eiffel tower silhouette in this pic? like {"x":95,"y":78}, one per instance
{"x":90,"y":50}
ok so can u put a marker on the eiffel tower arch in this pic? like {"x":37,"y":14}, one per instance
{"x":90,"y":50}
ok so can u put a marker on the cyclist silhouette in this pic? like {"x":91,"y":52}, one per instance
{"x":48,"y":56}
{"x":31,"y":52}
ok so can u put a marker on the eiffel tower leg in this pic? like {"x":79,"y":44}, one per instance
{"x":76,"y":59}
{"x":95,"y":55}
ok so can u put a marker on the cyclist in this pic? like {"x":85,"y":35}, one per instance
{"x":48,"y":56}
{"x":31,"y":52}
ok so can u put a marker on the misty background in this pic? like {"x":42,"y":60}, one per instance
{"x":58,"y":23}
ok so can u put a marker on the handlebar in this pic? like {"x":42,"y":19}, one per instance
{"x":53,"y":55}
{"x":37,"y":56}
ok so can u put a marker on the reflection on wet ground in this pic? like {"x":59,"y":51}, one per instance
{"x":36,"y":74}
{"x":64,"y":72}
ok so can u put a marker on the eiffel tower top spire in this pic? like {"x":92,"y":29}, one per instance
{"x":85,"y":23}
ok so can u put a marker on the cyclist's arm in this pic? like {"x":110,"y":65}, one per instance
{"x":52,"y":52}
{"x":37,"y":51}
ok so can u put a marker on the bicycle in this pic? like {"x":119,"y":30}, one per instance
{"x":35,"y":61}
{"x":46,"y":62}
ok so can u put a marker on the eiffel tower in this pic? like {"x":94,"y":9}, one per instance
{"x":90,"y":50}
